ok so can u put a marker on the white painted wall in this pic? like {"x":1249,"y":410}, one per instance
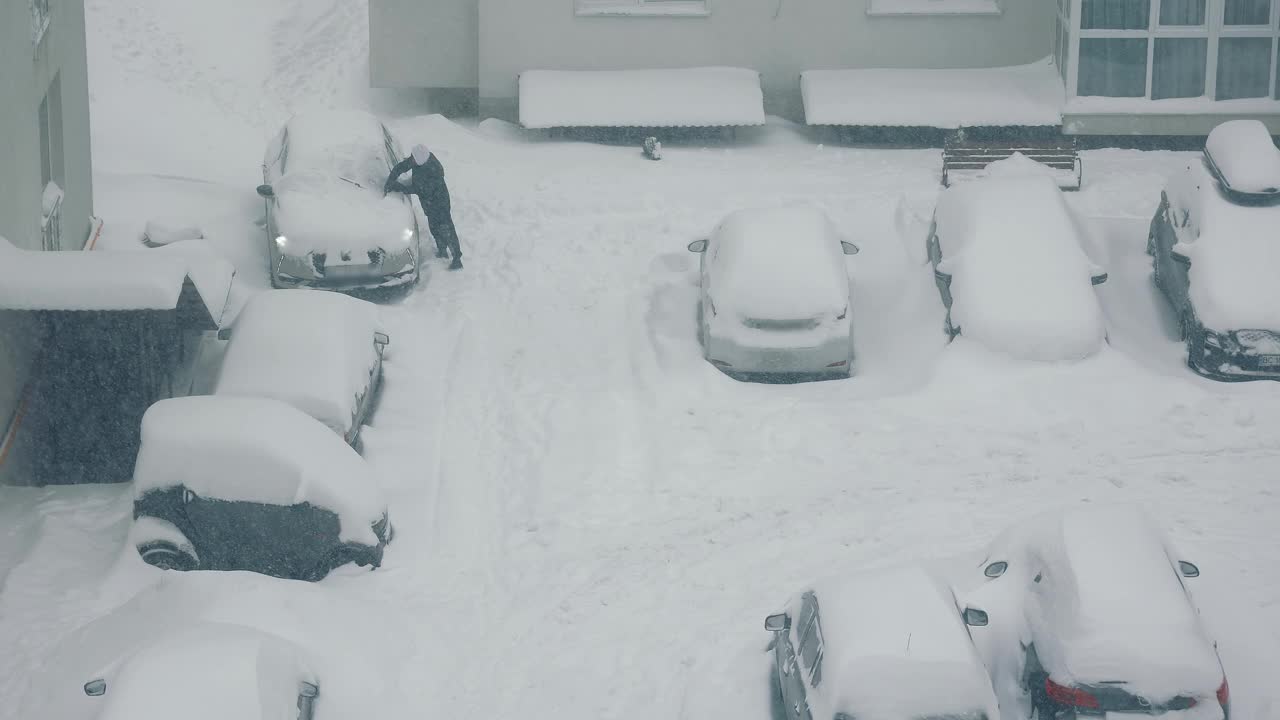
{"x":423,"y":43}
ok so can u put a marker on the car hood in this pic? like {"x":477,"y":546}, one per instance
{"x":320,"y":213}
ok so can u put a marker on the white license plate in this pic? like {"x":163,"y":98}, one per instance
{"x":1269,"y":361}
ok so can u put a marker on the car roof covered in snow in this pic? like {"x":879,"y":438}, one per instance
{"x":311,"y":349}
{"x":330,"y":197}
{"x":779,"y":263}
{"x":1115,"y":608}
{"x":256,"y":450}
{"x":1245,"y":156}
{"x":210,"y":671}
{"x":1234,"y":249}
{"x":1021,"y":267}
{"x":886,"y":635}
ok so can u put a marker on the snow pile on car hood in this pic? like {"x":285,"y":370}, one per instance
{"x":210,"y":671}
{"x":330,"y":198}
{"x":1245,"y":155}
{"x":1119,"y":611}
{"x":312,"y":350}
{"x":779,"y":264}
{"x":895,"y":648}
{"x":256,"y":450}
{"x":1021,"y":279}
{"x":1234,"y":250}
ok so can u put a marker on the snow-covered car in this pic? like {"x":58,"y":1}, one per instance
{"x":1215,"y":247}
{"x":1016,"y":266}
{"x":1110,"y":627}
{"x":245,"y":483}
{"x":329,"y":223}
{"x":209,"y":671}
{"x":886,"y":645}
{"x":319,"y":352}
{"x":775,"y":294}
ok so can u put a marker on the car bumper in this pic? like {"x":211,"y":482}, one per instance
{"x":1219,"y":364}
{"x":831,"y":357}
{"x":361,"y":277}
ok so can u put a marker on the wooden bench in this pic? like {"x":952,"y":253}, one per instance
{"x":974,"y":156}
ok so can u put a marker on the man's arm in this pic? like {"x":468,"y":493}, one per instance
{"x":401,"y":168}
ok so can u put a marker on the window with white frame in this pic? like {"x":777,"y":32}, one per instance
{"x":674,"y":8}
{"x":1169,"y":49}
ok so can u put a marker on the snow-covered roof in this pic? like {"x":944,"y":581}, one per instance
{"x":1117,"y":609}
{"x":679,"y":97}
{"x":209,"y":671}
{"x":1022,"y":278}
{"x":256,"y":450}
{"x":311,"y":349}
{"x":1234,"y":250}
{"x":1030,"y":94}
{"x":779,"y":263}
{"x":1245,"y":156}
{"x":110,"y":280}
{"x":887,"y":637}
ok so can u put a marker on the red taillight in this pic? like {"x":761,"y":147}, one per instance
{"x":1069,"y":696}
{"x":842,"y":363}
{"x":1224,"y":693}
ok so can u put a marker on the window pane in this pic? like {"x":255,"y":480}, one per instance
{"x":1247,"y":12}
{"x":1115,"y":14}
{"x":1177,"y":69}
{"x":1244,"y":67}
{"x":1114,"y":67}
{"x":1182,"y":12}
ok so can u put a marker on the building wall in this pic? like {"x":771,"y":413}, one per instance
{"x":780,"y":38}
{"x":424,"y":43}
{"x":26,"y":74}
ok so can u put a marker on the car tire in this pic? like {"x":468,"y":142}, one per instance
{"x":167,"y":556}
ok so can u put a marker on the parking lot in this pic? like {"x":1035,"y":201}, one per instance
{"x":593,"y":522}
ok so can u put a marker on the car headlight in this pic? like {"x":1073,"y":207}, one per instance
{"x":408,"y":234}
{"x":281,"y":242}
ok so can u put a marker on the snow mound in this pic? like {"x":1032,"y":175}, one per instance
{"x":684,"y":97}
{"x":1245,"y":156}
{"x":256,"y":450}
{"x":1019,"y":165}
{"x":1234,"y":250}
{"x":312,"y":350}
{"x":160,"y":234}
{"x":1022,"y":281}
{"x":779,"y":264}
{"x":950,"y":98}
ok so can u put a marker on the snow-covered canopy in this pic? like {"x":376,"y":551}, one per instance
{"x":256,"y":450}
{"x":1114,"y":609}
{"x":107,"y":280}
{"x":944,"y":98}
{"x":330,"y":197}
{"x":681,"y":97}
{"x":311,"y":349}
{"x":1245,"y":156}
{"x":1022,"y":278}
{"x":895,"y":648}
{"x":210,"y":671}
{"x":778,"y":264}
{"x":1234,"y":250}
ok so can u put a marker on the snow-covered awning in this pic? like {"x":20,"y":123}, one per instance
{"x":196,"y":288}
{"x":680,"y":97}
{"x":1021,"y":95}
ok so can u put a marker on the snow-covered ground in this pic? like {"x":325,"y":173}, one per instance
{"x":591,"y":521}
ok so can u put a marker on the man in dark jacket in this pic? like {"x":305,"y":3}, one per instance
{"x":427,"y":182}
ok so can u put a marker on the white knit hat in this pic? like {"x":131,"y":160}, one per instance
{"x":421,"y":153}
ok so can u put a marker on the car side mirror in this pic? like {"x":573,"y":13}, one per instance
{"x":266,"y":191}
{"x":224,"y":333}
{"x":996,"y":569}
{"x":848,"y":247}
{"x":95,"y":688}
{"x":698,"y":246}
{"x":1098,"y":279}
{"x":974,"y":617}
{"x":381,"y":338}
{"x":307,"y":694}
{"x":1188,"y":569}
{"x":777,"y":623}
